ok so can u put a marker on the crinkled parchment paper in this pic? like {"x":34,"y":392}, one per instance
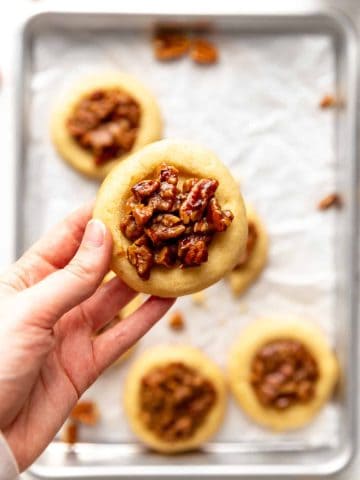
{"x":258,"y":110}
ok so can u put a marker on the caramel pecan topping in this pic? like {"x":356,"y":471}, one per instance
{"x":172,"y":224}
{"x":170,"y":45}
{"x":106,"y":123}
{"x":250,"y":244}
{"x":175,"y":400}
{"x":203,"y":52}
{"x":284,"y":373}
{"x":331,"y":200}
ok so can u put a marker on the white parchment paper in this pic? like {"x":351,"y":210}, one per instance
{"x":258,"y":110}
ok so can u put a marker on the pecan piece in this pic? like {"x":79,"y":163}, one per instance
{"x":188,"y":184}
{"x":192,"y":250}
{"x":327,"y":101}
{"x":169,"y":174}
{"x":203,"y":52}
{"x":176,"y":321}
{"x":331,"y":200}
{"x":164,"y":228}
{"x":86,"y":412}
{"x":170,"y":45}
{"x":166,"y":256}
{"x":219,"y":219}
{"x":142,"y":213}
{"x":130,"y":228}
{"x":197,"y":200}
{"x":145,"y":188}
{"x":160,"y":204}
{"x":141,"y":257}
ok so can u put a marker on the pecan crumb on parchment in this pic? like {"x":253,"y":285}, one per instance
{"x":331,"y":200}
{"x":86,"y":412}
{"x":70,"y":432}
{"x":203,"y":52}
{"x":176,"y":321}
{"x":328,"y":101}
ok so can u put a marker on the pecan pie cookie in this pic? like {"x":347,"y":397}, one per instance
{"x":281,"y":372}
{"x":254,"y":259}
{"x":102,"y":120}
{"x":175,"y":398}
{"x":176,"y":216}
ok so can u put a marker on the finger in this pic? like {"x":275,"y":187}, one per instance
{"x":101,"y":308}
{"x":51,"y":298}
{"x":114,"y":342}
{"x":53,"y":251}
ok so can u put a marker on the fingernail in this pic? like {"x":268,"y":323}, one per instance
{"x":94,"y":233}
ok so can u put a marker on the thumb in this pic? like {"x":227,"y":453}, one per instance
{"x":58,"y":293}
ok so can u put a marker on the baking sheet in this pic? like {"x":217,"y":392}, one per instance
{"x":258,"y":110}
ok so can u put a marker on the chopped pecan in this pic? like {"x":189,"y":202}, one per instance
{"x":130,"y":228}
{"x":164,"y":228}
{"x":203,"y":226}
{"x":284,"y":373}
{"x":170,"y":45}
{"x":188,"y":184}
{"x":328,"y":101}
{"x":86,"y":412}
{"x":166,"y":256}
{"x":193,"y":250}
{"x":175,"y":400}
{"x":145,"y":188}
{"x":142,"y":213}
{"x":169,"y":174}
{"x":331,"y":200}
{"x":203,"y":52}
{"x":70,"y":432}
{"x":197,"y":200}
{"x":159,"y":204}
{"x":176,"y":321}
{"x":219,"y":219}
{"x":141,"y":257}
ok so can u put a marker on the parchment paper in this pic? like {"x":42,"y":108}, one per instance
{"x":258,"y":110}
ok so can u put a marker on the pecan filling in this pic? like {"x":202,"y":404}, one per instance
{"x":106,"y":123}
{"x":250,"y":245}
{"x":172,"y":224}
{"x":175,"y":400}
{"x":284,"y":373}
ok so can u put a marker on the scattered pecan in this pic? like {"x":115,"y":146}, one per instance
{"x":141,"y":257}
{"x":250,"y":244}
{"x":171,"y":224}
{"x":170,"y":45}
{"x":70,"y":432}
{"x":328,"y":101}
{"x":106,"y":123}
{"x":203,"y":52}
{"x":284,"y":373}
{"x":331,"y":200}
{"x":176,"y":321}
{"x":197,"y":200}
{"x":86,"y":412}
{"x":175,"y":400}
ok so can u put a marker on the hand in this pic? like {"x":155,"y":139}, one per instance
{"x":50,"y":308}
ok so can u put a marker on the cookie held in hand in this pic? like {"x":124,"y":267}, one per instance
{"x":176,"y":216}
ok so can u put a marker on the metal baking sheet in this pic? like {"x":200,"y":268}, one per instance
{"x":48,"y":189}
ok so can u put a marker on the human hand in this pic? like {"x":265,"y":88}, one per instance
{"x":50,"y":308}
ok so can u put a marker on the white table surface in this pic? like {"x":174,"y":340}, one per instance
{"x":10,"y":17}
